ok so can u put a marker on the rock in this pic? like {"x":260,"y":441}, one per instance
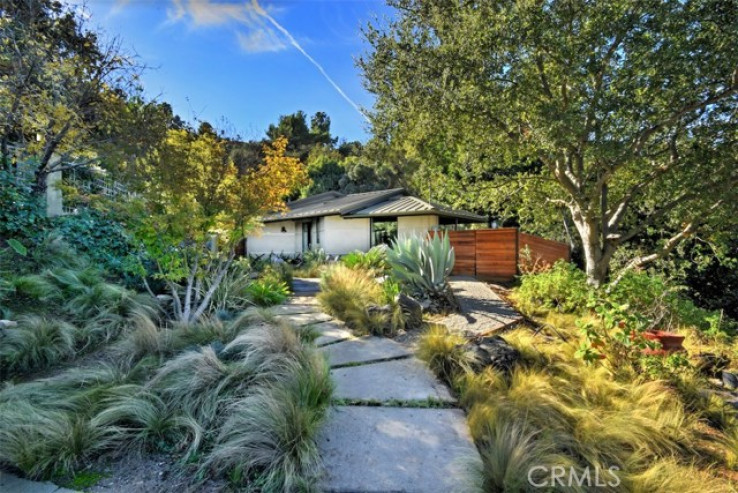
{"x":712,"y":364}
{"x":493,"y":351}
{"x":412,"y":311}
{"x":730,"y":380}
{"x":8,"y":324}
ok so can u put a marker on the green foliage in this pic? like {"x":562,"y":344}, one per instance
{"x":100,"y":237}
{"x":375,"y":260}
{"x":22,"y":215}
{"x":616,"y":337}
{"x":270,"y":434}
{"x":43,"y":442}
{"x":349,"y":294}
{"x":143,"y":420}
{"x":267,"y":292}
{"x":660,"y":142}
{"x":17,"y":247}
{"x":36,"y":343}
{"x":563,"y":288}
{"x":278,"y":272}
{"x":422,"y":265}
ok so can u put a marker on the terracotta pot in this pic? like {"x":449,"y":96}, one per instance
{"x":669,"y":341}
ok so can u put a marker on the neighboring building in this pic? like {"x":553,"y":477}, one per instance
{"x":340,"y":223}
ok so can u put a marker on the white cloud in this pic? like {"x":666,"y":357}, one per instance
{"x":262,"y":40}
{"x":253,"y":33}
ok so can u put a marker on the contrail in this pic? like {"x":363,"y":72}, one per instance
{"x":294,"y":43}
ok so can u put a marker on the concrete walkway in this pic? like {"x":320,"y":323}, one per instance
{"x":482,"y":311}
{"x":305,"y":286}
{"x":393,"y":426}
{"x":13,"y":484}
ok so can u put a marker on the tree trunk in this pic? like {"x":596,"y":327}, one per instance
{"x":596,"y":258}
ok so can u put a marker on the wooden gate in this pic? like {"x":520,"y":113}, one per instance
{"x":498,"y":254}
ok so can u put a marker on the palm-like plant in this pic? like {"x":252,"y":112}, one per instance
{"x":423,"y":265}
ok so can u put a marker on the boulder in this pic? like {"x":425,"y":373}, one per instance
{"x":711,"y":364}
{"x":493,"y":351}
{"x":730,"y":380}
{"x":412,"y":311}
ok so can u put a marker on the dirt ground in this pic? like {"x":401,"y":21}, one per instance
{"x":158,"y":473}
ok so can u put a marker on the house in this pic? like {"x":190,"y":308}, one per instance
{"x":340,"y":223}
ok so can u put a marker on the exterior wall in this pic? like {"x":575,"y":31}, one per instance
{"x":415,"y":225}
{"x":271,"y":239}
{"x":340,"y":236}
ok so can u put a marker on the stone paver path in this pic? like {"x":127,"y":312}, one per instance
{"x":482,"y":310}
{"x":13,"y":484}
{"x":304,"y":286}
{"x":394,"y":427}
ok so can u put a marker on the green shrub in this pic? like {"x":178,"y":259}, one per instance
{"x":100,"y":237}
{"x":562,"y":288}
{"x":347,"y":294}
{"x":656,"y":298}
{"x":37,"y":343}
{"x":23,"y":213}
{"x":278,"y":272}
{"x":422,"y":266}
{"x":375,"y":260}
{"x":267,"y":292}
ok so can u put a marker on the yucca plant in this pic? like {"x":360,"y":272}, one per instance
{"x":422,"y":265}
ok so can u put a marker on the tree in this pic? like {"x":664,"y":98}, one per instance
{"x":300,"y":138}
{"x":192,"y":196}
{"x":630,"y":107}
{"x":58,"y":81}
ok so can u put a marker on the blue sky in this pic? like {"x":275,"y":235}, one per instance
{"x":239,"y":61}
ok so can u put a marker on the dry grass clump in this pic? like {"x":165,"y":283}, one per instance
{"x":347,"y":293}
{"x":555,"y":410}
{"x":443,"y":352}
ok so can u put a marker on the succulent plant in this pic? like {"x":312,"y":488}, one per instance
{"x":423,"y":265}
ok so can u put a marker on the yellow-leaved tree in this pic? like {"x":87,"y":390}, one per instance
{"x":194,"y":205}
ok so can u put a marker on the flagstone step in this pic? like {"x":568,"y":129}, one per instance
{"x":398,"y":380}
{"x":382,"y":449}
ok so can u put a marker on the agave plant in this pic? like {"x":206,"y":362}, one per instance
{"x":423,"y":265}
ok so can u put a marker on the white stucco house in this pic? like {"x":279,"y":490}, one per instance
{"x":340,"y":223}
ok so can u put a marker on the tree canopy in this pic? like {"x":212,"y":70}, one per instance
{"x":629,"y":108}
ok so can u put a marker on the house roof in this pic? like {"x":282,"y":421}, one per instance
{"x":413,"y":206}
{"x":380,"y":203}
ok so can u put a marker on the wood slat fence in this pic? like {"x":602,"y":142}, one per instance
{"x":501,"y":254}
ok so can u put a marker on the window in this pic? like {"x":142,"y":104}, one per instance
{"x":383,"y":231}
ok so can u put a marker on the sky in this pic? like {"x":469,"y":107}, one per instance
{"x":241,"y":64}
